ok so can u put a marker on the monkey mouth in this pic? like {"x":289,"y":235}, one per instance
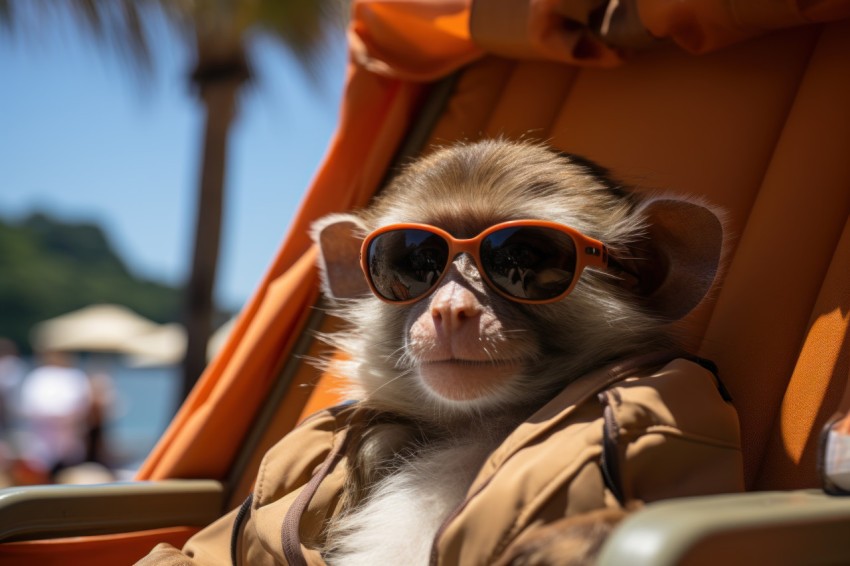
{"x":467,"y":380}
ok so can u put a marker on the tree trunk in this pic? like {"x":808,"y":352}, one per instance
{"x":218,"y":96}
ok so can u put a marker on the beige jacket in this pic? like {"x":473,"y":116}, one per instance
{"x":646,"y":429}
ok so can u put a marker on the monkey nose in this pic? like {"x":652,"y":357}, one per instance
{"x":453,"y":305}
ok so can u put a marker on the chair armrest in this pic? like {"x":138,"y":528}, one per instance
{"x":51,"y":511}
{"x":778,"y":528}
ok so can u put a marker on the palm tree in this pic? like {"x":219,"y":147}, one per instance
{"x":219,"y":31}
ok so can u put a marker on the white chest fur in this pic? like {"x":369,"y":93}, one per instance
{"x":398,"y":522}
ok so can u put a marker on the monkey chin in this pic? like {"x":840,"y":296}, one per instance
{"x":468,"y":381}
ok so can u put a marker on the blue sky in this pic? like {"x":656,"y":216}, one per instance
{"x":84,"y":139}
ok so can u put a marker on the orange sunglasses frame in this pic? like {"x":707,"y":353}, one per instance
{"x":589,"y":253}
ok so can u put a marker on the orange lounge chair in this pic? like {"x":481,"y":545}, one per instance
{"x":743,"y":103}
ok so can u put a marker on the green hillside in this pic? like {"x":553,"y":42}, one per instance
{"x":49,"y":267}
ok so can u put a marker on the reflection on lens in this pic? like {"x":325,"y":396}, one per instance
{"x":404,"y":264}
{"x":529,"y":262}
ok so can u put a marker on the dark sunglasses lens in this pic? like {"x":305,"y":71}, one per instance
{"x":404,"y":264}
{"x":533,"y":263}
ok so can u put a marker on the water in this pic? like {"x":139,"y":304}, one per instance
{"x":146,"y":399}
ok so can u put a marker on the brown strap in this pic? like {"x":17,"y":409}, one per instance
{"x":289,"y":535}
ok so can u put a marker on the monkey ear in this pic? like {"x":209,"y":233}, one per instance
{"x":339,"y":237}
{"x":678,"y":263}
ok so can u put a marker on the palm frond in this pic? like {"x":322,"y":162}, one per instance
{"x":219,"y":27}
{"x":123,"y":26}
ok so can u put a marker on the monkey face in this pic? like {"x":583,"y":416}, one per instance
{"x":456,"y":335}
{"x":466,"y":348}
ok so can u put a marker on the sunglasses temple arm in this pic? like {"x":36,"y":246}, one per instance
{"x":618,"y":268}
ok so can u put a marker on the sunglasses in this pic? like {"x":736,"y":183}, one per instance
{"x":527,"y":261}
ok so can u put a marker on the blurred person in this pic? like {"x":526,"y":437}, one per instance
{"x":57,"y":401}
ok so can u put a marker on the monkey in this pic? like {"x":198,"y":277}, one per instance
{"x":510,"y":342}
{"x":486,"y":278}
